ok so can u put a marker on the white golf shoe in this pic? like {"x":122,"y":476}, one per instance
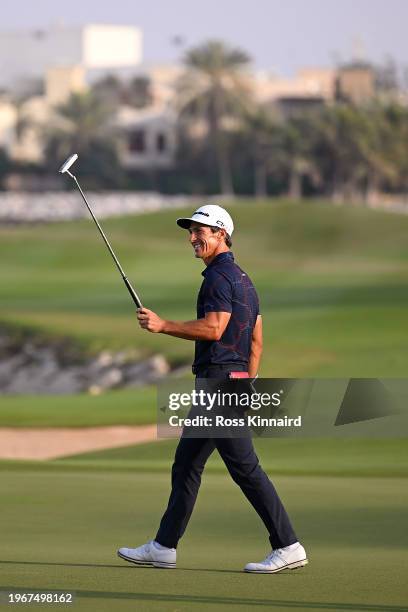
{"x":290,"y":557}
{"x":152,"y":554}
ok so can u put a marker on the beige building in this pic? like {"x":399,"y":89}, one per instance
{"x":27,"y":145}
{"x":22,"y":126}
{"x":8,"y":120}
{"x":62,"y":81}
{"x":319,"y":81}
{"x":163,"y":80}
{"x":356,"y":83}
{"x":307,"y":83}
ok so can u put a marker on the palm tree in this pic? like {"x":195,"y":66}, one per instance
{"x":338,"y":152}
{"x":397,"y":121}
{"x":294,"y":142}
{"x":23,"y":121}
{"x":260,"y":130}
{"x":5,"y":166}
{"x":296,"y":147}
{"x":358,"y":149}
{"x":82,"y":120}
{"x":109,"y":90}
{"x":139,"y":92}
{"x":376,"y":142}
{"x":84,"y":124}
{"x":213,"y":90}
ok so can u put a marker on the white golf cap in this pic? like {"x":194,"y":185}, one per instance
{"x":211,"y":215}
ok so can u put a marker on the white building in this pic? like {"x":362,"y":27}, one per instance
{"x":27,"y":55}
{"x":149,"y":137}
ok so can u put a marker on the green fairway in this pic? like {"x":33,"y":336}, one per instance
{"x":288,"y":457}
{"x":319,"y":457}
{"x":332,"y":283}
{"x":125,"y":407}
{"x":61,"y":529}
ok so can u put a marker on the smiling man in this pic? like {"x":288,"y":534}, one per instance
{"x":228,"y":343}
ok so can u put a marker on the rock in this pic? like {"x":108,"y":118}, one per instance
{"x":146,"y":371}
{"x":159,"y":365}
{"x":120,"y":358}
{"x":11,"y":364}
{"x":104,"y":359}
{"x":107,"y":380}
{"x":66,"y":382}
{"x":31,"y":379}
{"x":4,"y":343}
{"x":40,"y":369}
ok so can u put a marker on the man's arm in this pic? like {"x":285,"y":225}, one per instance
{"x":256,"y":348}
{"x":211,"y":327}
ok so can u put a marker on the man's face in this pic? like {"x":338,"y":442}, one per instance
{"x":203,"y":240}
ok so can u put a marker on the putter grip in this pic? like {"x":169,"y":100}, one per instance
{"x":132,"y":292}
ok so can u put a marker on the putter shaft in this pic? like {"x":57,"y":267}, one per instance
{"x":132,"y":292}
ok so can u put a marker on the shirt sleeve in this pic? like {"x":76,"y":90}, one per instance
{"x":217,"y":294}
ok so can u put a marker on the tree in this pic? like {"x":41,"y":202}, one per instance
{"x":213,"y":90}
{"x":297,"y":143}
{"x":386,"y":78}
{"x":260,"y":130}
{"x":338,"y":150}
{"x":139,"y":92}
{"x":23,"y":122}
{"x":109,"y":90}
{"x":359,"y":148}
{"x":84,"y":124}
{"x":376,"y":142}
{"x":5,"y":166}
{"x":396,"y":116}
{"x":113,"y":92}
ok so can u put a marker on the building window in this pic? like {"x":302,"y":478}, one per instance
{"x":137,"y":141}
{"x":161,"y":142}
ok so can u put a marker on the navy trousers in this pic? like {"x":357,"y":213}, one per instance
{"x":243,"y":465}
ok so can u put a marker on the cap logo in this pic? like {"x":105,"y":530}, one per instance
{"x":220,"y":223}
{"x":200,"y":212}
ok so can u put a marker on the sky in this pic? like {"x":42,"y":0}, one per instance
{"x":279,"y":35}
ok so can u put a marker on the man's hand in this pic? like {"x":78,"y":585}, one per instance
{"x":150,"y":321}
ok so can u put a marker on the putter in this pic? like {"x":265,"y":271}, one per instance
{"x":65,"y":170}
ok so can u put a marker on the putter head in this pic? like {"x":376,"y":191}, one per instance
{"x":68,"y":163}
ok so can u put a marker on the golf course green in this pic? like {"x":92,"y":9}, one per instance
{"x":333,"y":288}
{"x":62,"y":523}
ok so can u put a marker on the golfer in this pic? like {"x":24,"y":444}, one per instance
{"x":228,"y":338}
